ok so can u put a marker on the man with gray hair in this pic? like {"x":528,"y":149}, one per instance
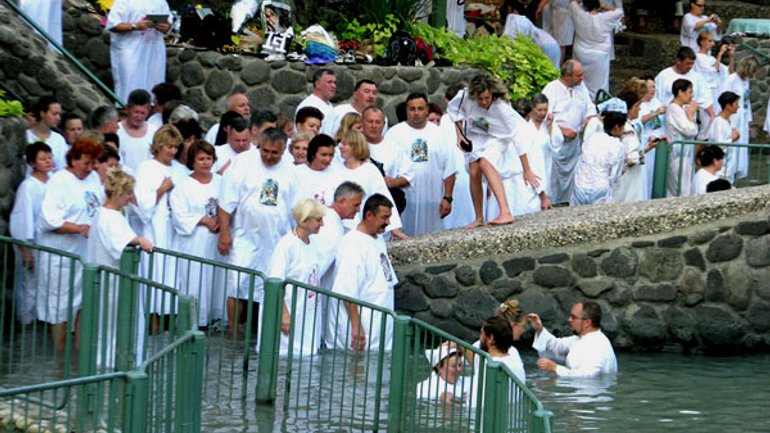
{"x":571,"y":106}
{"x":104,"y":119}
{"x":324,"y":90}
{"x":238,"y":102}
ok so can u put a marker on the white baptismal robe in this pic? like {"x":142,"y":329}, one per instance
{"x":138,"y":58}
{"x":260,"y":199}
{"x":570,"y":106}
{"x":550,"y":144}
{"x":526,"y":198}
{"x":601,"y":164}
{"x":292,"y":259}
{"x":742,"y":119}
{"x":593,"y":44}
{"x":315,"y":184}
{"x":134,"y":150}
{"x":688,"y":35}
{"x":368,"y":177}
{"x":653,"y":128}
{"x":721,"y":131}
{"x":516,"y":24}
{"x":364,"y":272}
{"x":48,"y":15}
{"x":665,"y":79}
{"x":705,"y":65}
{"x":701,"y":180}
{"x":679,"y":127}
{"x":589,"y":355}
{"x":432,"y":162}
{"x":631,"y":184}
{"x":58,"y":146}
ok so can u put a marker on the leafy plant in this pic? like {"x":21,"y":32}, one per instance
{"x":518,"y":62}
{"x":10,"y":108}
{"x":379,"y":33}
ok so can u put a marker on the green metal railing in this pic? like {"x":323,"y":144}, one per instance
{"x":71,"y":58}
{"x":675,"y":165}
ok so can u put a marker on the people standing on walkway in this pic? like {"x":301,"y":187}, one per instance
{"x":236,"y":101}
{"x":697,"y":21}
{"x":324,"y":90}
{"x":47,"y":112}
{"x":134,"y":133}
{"x":739,"y":83}
{"x":588,"y":353}
{"x":681,"y":125}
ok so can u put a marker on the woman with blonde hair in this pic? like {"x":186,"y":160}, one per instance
{"x":349,"y":122}
{"x":298,"y":147}
{"x":357,"y":168}
{"x":110,"y":235}
{"x":155,"y":180}
{"x":295,"y":259}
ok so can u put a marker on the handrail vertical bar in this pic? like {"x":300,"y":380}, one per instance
{"x":398,"y":371}
{"x":87,"y":400}
{"x":128,"y":312}
{"x":267,"y":370}
{"x":660,"y":177}
{"x":135,"y":402}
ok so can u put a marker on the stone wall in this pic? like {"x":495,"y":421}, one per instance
{"x":702,"y":287}
{"x":12,"y":142}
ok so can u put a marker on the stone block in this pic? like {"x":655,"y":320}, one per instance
{"x":409,"y":73}
{"x":473,"y":306}
{"x":715,"y":287}
{"x":197,"y":100}
{"x":98,"y":53}
{"x":720,"y":329}
{"x":172,"y":73}
{"x":289,"y":104}
{"x":682,"y":326}
{"x":554,"y":258}
{"x":219,"y":83}
{"x":418,"y":278}
{"x":518,"y":265}
{"x":584,"y":266}
{"x":465,"y":275}
{"x":433,"y":81}
{"x":388,"y":73}
{"x":289,"y":82}
{"x":489,"y":272}
{"x":739,"y":282}
{"x":553,"y":276}
{"x":440,"y":269}
{"x":441,"y":287}
{"x":692,"y":287}
{"x":30,"y":85}
{"x":393,"y":87}
{"x":672,"y":242}
{"x":763,"y":290}
{"x":597,"y":253}
{"x":594,"y":288}
{"x":261,"y":98}
{"x":655,"y":293}
{"x":642,"y":244}
{"x":693,"y":257}
{"x":537,"y":301}
{"x":702,"y":236}
{"x":409,"y":297}
{"x":752,"y":228}
{"x":208,"y":58}
{"x":90,"y":25}
{"x":566,"y":298}
{"x":441,"y":308}
{"x":230,"y":62}
{"x":644,"y":325}
{"x":186,"y":55}
{"x":346,"y":83}
{"x":758,"y":316}
{"x":660,"y":264}
{"x":621,"y":263}
{"x":450,"y":76}
{"x":724,"y":248}
{"x":192,"y":75}
{"x":758,"y":251}
{"x":504,"y":289}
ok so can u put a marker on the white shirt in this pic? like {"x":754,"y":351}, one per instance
{"x":601,"y":162}
{"x":225,"y":154}
{"x":701,"y":180}
{"x":589,"y":355}
{"x":329,"y":120}
{"x":665,"y":79}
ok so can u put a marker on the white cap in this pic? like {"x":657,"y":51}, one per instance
{"x":435,"y":356}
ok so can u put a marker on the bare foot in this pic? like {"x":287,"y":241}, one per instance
{"x":474,"y":224}
{"x":501,"y":220}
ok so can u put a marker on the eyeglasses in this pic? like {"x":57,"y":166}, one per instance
{"x":703,"y":5}
{"x":574,"y":317}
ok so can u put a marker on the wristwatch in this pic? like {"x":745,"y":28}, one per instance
{"x":449,"y":199}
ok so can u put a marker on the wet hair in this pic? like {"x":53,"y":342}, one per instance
{"x":165,"y":92}
{"x":108,"y":153}
{"x":32,"y":149}
{"x":685,"y":53}
{"x":453,"y":90}
{"x":319,"y":74}
{"x":374,"y":202}
{"x":499,"y":328}
{"x":593,"y":312}
{"x":539,"y":99}
{"x":273,"y":135}
{"x":434,"y":108}
{"x":118,"y":182}
{"x":197,"y":147}
{"x":523,"y":106}
{"x":482,"y":83}
{"x":138,"y":97}
{"x":166,"y":135}
{"x":718,"y":185}
{"x":43,"y":104}
{"x":320,"y":140}
{"x":359,"y":148}
{"x":346,"y":124}
{"x":102,"y":115}
{"x":229,"y":120}
{"x":613,"y":119}
{"x":307,"y":208}
{"x":417,"y":95}
{"x":305,"y":112}
{"x":707,"y":155}
{"x":84,"y":146}
{"x":362,"y":82}
{"x":260,"y":117}
{"x":511,"y":311}
{"x":680,"y":85}
{"x":727,"y":98}
{"x":348,"y":189}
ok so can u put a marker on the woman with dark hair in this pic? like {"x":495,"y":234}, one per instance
{"x":71,"y":199}
{"x":680,"y":125}
{"x":318,"y":174}
{"x":47,"y":112}
{"x":631,"y":185}
{"x":194,"y":217}
{"x":72,"y":127}
{"x":593,"y":41}
{"x":711,"y":160}
{"x":225,"y":122}
{"x":191,"y":132}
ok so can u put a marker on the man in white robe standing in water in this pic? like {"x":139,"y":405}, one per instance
{"x":588,"y":353}
{"x":364,"y":272}
{"x":571,"y":106}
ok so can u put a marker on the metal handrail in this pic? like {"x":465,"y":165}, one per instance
{"x":103,"y":87}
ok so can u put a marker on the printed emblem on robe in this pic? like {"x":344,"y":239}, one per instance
{"x":386,"y":267}
{"x":92,"y":203}
{"x":268,"y":194}
{"x":480,"y":123}
{"x":211,"y":207}
{"x":320,"y":196}
{"x":420,"y":150}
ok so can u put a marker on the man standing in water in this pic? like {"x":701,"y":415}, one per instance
{"x":588,"y":353}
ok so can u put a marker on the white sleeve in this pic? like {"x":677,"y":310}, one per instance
{"x":549,"y":346}
{"x":232,"y":188}
{"x":115,"y":234}
{"x":146,"y":191}
{"x":350,"y":271}
{"x":279,"y":261}
{"x":22,"y":220}
{"x":53,"y":210}
{"x":183,"y":218}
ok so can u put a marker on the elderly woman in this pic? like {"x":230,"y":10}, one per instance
{"x":295,"y":259}
{"x":298,"y":147}
{"x":155,"y":180}
{"x":194,"y":216}
{"x":70,"y":202}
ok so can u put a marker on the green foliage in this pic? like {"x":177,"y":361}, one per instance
{"x":379,"y":33}
{"x":518,"y":62}
{"x":10,"y":108}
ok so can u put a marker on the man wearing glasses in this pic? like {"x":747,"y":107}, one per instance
{"x":588,"y":353}
{"x":696,"y":21}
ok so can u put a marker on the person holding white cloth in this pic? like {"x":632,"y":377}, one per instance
{"x":588,"y":353}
